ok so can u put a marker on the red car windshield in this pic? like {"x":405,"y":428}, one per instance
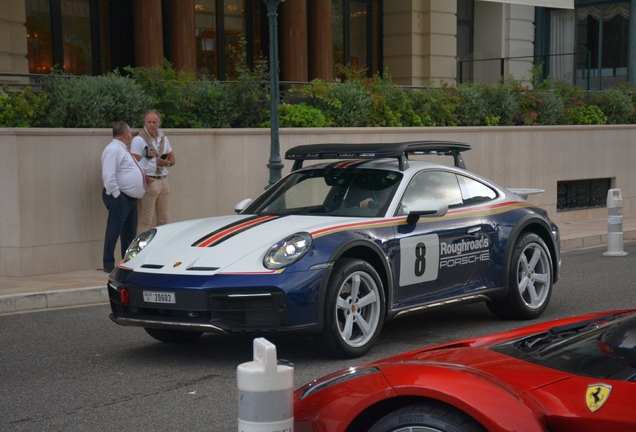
{"x":573,"y":349}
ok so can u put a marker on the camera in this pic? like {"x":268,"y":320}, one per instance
{"x":147,"y":152}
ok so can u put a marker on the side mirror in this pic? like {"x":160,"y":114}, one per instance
{"x":426,"y":208}
{"x":242,"y":205}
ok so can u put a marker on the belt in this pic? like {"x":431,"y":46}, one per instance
{"x":158,"y":177}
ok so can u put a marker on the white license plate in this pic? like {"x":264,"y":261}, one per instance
{"x":159,"y":297}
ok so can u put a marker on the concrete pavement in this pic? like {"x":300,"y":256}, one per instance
{"x":89,"y":286}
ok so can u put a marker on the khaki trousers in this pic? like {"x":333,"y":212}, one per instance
{"x":155,"y":202}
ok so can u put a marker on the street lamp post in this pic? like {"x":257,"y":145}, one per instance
{"x":275,"y":164}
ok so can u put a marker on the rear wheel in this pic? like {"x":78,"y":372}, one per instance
{"x":172,"y":336}
{"x":430,"y":416}
{"x":530,"y":280}
{"x":354,"y":309}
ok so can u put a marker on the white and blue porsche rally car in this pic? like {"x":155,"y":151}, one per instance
{"x":337,"y":248}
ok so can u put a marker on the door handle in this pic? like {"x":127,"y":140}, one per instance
{"x":474,"y":230}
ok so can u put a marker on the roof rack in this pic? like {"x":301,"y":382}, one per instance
{"x":400,"y":151}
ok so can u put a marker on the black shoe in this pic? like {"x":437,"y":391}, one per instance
{"x":109,"y":269}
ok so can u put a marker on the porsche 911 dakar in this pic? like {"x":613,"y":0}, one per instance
{"x":335,"y":249}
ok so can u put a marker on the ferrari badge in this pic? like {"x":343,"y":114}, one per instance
{"x":597,"y":395}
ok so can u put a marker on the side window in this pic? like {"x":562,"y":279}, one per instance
{"x":475,"y":192}
{"x":434,"y":185}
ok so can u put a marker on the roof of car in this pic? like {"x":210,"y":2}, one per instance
{"x":399,"y":151}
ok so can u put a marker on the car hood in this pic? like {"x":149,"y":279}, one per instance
{"x":225,"y":244}
{"x":520,"y":375}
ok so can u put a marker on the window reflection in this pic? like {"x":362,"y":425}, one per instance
{"x":602,"y":31}
{"x":358,"y":34}
{"x":74,"y":18}
{"x":337,"y":25}
{"x":234,"y":27}
{"x":355,"y":33}
{"x":205,"y":29}
{"x":76,"y":36}
{"x":39,"y":37}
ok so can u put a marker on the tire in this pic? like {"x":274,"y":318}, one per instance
{"x":429,"y":416}
{"x":173,"y":336}
{"x":530,"y":280}
{"x":354,"y":311}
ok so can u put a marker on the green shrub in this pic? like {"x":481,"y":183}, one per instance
{"x":584,"y":115}
{"x":22,"y":108}
{"x":171,"y":92}
{"x":249,"y":94}
{"x":300,"y":115}
{"x":347,"y":104}
{"x":436,"y":106}
{"x":94,"y":102}
{"x":502,"y":102}
{"x":616,"y":105}
{"x":212,"y":105}
{"x":390,"y":104}
{"x":250,"y":100}
{"x":550,"y":108}
{"x":471,"y":110}
{"x":527,"y":114}
{"x":412,"y":119}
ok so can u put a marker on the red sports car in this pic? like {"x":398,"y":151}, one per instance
{"x":575,"y":374}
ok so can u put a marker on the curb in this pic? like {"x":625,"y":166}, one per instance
{"x":34,"y":301}
{"x":593,"y":240}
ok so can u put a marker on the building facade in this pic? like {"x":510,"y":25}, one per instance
{"x":419,"y":42}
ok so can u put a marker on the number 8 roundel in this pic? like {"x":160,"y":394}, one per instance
{"x":419,"y":259}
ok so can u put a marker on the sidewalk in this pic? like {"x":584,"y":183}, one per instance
{"x":89,"y":286}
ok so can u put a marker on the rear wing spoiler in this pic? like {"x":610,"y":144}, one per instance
{"x":523,"y":193}
{"x":400,"y":151}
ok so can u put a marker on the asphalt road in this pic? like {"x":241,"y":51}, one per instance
{"x":74,"y":370}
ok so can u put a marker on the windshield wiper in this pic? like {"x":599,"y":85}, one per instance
{"x":558,"y":332}
{"x":579,"y":325}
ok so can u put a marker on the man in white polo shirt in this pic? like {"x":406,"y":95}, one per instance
{"x":124,"y":183}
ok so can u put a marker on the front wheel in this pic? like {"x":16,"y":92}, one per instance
{"x":354,"y":311}
{"x":430,"y":416}
{"x":172,"y":336}
{"x":530,"y":280}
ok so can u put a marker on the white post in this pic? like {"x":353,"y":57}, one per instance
{"x":265,"y":395}
{"x":614,"y":223}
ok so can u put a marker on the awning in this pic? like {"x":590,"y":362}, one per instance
{"x":559,"y":4}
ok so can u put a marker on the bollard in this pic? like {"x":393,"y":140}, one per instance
{"x":265,"y":395}
{"x":614,"y":223}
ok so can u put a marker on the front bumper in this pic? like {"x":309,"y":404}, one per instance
{"x":219,"y":303}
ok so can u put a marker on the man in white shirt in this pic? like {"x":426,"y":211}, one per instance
{"x":154,"y":153}
{"x":124,"y":183}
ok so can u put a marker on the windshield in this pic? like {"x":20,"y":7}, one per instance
{"x":572,"y":349}
{"x":330,"y":191}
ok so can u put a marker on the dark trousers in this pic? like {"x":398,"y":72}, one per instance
{"x":122,"y":221}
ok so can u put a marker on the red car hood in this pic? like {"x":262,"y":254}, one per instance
{"x":515,"y":375}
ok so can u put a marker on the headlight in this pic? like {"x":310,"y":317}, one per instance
{"x":287,"y":251}
{"x":139,"y":244}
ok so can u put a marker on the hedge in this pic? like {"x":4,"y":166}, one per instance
{"x":188,"y":100}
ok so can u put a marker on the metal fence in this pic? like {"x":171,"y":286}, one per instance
{"x":575,"y":68}
{"x":16,"y":81}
